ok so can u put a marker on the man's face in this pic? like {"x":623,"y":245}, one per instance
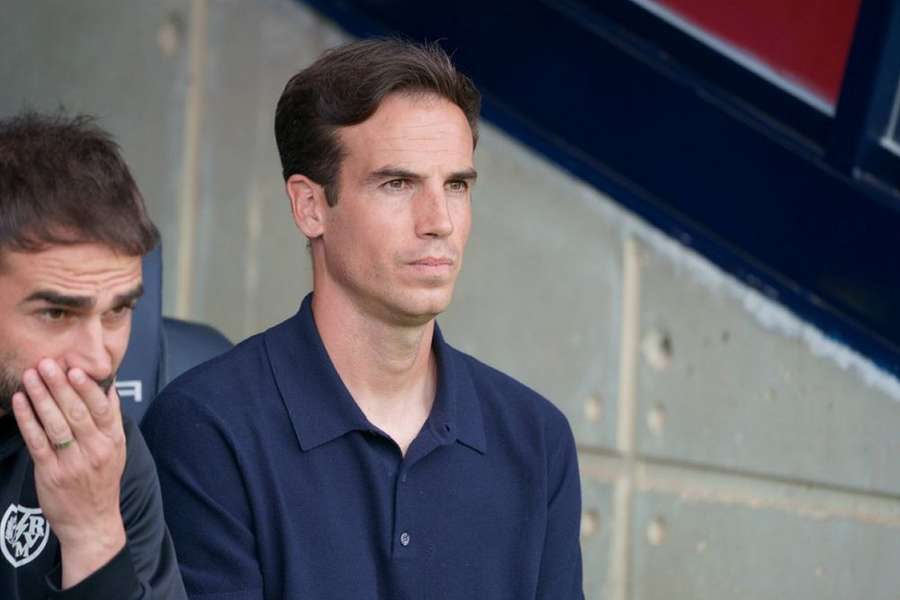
{"x":393,"y":244}
{"x":71,"y":303}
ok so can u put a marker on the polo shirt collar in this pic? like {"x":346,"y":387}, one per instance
{"x":321,"y":408}
{"x":318,"y":404}
{"x":456,"y":409}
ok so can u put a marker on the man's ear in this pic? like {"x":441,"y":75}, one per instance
{"x":308,"y":204}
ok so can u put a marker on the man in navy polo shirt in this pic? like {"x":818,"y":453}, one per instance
{"x":349,"y":452}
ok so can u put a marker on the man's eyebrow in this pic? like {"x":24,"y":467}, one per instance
{"x":57,"y":299}
{"x":467,"y":175}
{"x":392,"y":173}
{"x":398,"y":173}
{"x":129,"y":296}
{"x":81,"y":302}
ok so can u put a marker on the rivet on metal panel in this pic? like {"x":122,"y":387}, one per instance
{"x":593,"y":409}
{"x":656,"y":419}
{"x":590,"y":523}
{"x":657,"y":531}
{"x":168,"y":36}
{"x":657,"y":349}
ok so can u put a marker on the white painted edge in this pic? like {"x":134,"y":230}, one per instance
{"x":892,"y":131}
{"x":891,"y":145}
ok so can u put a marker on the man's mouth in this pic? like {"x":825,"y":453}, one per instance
{"x":433,"y":261}
{"x":107,"y":383}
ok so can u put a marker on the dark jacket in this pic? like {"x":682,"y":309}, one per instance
{"x":30,"y":568}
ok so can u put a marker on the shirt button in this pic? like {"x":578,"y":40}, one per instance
{"x":404,"y":539}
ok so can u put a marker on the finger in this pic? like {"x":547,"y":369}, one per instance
{"x":103,"y":407}
{"x":32,"y":432}
{"x":52,"y":420}
{"x":113,"y":396}
{"x":68,"y":400}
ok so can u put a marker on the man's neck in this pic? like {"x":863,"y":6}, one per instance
{"x":389,"y":369}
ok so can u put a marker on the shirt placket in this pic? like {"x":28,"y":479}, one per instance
{"x":408,"y":539}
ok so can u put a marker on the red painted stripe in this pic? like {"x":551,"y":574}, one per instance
{"x":805,"y":41}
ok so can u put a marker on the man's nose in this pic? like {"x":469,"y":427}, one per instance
{"x":433,"y":216}
{"x":90,"y":350}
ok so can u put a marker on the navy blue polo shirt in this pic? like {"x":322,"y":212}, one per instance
{"x":276,"y":486}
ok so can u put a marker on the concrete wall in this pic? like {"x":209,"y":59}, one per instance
{"x":728,"y":450}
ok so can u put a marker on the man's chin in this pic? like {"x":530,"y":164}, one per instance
{"x":421,"y":312}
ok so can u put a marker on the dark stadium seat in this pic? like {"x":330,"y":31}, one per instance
{"x":160,"y":348}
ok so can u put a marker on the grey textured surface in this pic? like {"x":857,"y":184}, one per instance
{"x":107,"y":58}
{"x":739,"y":396}
{"x":251,"y":266}
{"x":596,"y":526}
{"x":713,"y":550}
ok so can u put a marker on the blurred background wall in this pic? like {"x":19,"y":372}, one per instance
{"x":728,"y":448}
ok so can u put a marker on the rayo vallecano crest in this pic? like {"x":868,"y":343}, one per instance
{"x":25,"y":533}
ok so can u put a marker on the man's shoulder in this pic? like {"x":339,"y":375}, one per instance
{"x":245,"y":364}
{"x":503,"y":396}
{"x":245,"y":359}
{"x":221,"y":387}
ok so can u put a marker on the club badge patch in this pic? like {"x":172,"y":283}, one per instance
{"x":25,"y":533}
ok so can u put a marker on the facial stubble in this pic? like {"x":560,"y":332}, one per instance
{"x":11,"y":382}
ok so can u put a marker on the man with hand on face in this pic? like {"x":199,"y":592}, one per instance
{"x":79,"y":496}
{"x":350,"y":452}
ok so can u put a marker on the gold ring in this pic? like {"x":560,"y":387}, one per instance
{"x":63,"y":445}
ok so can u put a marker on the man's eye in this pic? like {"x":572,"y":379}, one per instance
{"x":53,"y":314}
{"x":397,"y":185}
{"x":121,"y":311}
{"x":458,"y":186}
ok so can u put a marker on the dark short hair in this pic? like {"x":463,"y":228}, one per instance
{"x":345,"y":87}
{"x":63,"y":181}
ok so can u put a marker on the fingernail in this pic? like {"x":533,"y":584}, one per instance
{"x":47,"y":367}
{"x":30,"y":377}
{"x":77,"y":375}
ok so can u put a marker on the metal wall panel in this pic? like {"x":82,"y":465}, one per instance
{"x":597,"y":522}
{"x":125,"y":62}
{"x":716,"y":387}
{"x":722,"y":548}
